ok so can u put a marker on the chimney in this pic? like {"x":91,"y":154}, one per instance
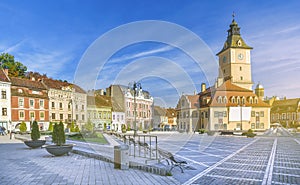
{"x":203,"y":87}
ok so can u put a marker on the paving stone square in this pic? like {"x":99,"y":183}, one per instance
{"x":211,"y":160}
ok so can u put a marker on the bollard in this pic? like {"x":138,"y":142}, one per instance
{"x":121,"y":160}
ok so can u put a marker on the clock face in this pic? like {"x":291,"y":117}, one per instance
{"x":224,"y":59}
{"x":241,"y":56}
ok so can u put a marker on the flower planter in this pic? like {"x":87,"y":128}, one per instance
{"x":59,"y":150}
{"x":35,"y":144}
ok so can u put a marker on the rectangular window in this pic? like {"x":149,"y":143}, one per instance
{"x":76,"y":116}
{"x":53,"y":105}
{"x":261,"y":113}
{"x":4,"y":111}
{"x":41,"y":103}
{"x":216,"y":114}
{"x":225,"y":113}
{"x":31,"y":102}
{"x":252,"y":113}
{"x":21,"y":102}
{"x":3,"y":94}
{"x":61,"y":116}
{"x":31,"y":115}
{"x":21,"y":115}
{"x":60,"y":105}
{"x":82,"y":117}
{"x":82,"y":107}
{"x":257,"y":125}
{"x":42,"y":115}
{"x":283,"y":116}
{"x":252,"y":125}
{"x":53,"y":115}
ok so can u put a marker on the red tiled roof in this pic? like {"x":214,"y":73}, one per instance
{"x":99,"y":101}
{"x":287,"y":105}
{"x":229,"y":90}
{"x":23,"y":82}
{"x":194,"y":100}
{"x":56,"y":84}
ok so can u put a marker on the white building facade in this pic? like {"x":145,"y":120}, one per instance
{"x":5,"y":100}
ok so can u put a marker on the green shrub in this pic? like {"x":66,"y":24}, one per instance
{"x":249,"y":133}
{"x":72,"y":127}
{"x":35,"y":132}
{"x":76,"y":129}
{"x":88,"y":127}
{"x":202,"y":131}
{"x":123,"y":128}
{"x":58,"y":135}
{"x":23,"y":127}
{"x":50,"y":127}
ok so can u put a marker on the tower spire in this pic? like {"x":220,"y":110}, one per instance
{"x":233,"y":15}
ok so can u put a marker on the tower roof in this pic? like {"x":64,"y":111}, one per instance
{"x":234,"y":39}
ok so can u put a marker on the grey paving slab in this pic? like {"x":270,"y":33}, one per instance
{"x":21,"y":165}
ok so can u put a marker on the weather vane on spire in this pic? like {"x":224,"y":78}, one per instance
{"x":233,"y":15}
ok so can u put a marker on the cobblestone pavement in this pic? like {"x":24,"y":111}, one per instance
{"x":237,"y":160}
{"x":21,"y":165}
{"x":211,"y":160}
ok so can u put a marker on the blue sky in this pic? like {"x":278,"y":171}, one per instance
{"x":52,"y":36}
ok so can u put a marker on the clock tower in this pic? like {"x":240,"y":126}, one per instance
{"x":235,"y":59}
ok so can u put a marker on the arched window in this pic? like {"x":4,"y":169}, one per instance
{"x":219,"y":99}
{"x":238,"y":100}
{"x":251,"y":100}
{"x":243,"y":100}
{"x":225,"y":99}
{"x":232,"y":99}
{"x":255,"y":100}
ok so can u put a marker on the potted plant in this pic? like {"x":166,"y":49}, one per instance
{"x":59,"y":138}
{"x":35,"y":136}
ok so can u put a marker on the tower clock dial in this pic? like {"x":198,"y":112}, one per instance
{"x":240,"y":56}
{"x":224,"y":59}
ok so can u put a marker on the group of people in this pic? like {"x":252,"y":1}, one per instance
{"x":2,"y":131}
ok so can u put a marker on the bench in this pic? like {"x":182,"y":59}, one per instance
{"x":169,"y":157}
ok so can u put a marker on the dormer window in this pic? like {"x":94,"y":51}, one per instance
{"x":219,"y":99}
{"x":238,"y":100}
{"x":243,"y":100}
{"x":251,"y":100}
{"x":233,"y":99}
{"x":225,"y":99}
{"x":20,"y":91}
{"x":255,"y":100}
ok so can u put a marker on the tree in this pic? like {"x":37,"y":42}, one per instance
{"x":89,"y":127}
{"x":58,"y":135}
{"x":35,"y":132}
{"x":50,"y":127}
{"x":16,"y":69}
{"x":54,"y":133}
{"x":23,"y":127}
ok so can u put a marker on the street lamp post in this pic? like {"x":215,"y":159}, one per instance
{"x":136,"y":87}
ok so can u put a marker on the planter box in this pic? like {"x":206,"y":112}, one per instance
{"x":35,"y":144}
{"x":59,"y":150}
